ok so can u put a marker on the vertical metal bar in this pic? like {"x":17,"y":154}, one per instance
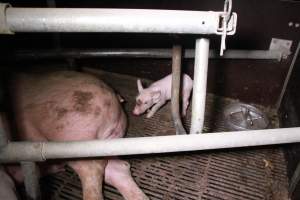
{"x":56,"y":36}
{"x":288,"y":76}
{"x":31,"y":174}
{"x":295,"y":180}
{"x":199,"y":86}
{"x":3,"y":134}
{"x":176,"y":74}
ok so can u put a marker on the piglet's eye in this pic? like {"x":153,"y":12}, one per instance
{"x":138,"y":102}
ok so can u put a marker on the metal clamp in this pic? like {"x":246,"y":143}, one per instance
{"x":4,"y":29}
{"x":228,"y":26}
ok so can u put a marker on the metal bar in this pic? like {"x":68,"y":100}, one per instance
{"x":3,"y":133}
{"x":176,"y":74}
{"x":143,"y":53}
{"x":40,"y":151}
{"x":31,"y":174}
{"x":56,"y":36}
{"x":199,"y":85}
{"x":286,"y":81}
{"x":295,"y":180}
{"x":4,"y":28}
{"x":112,"y":20}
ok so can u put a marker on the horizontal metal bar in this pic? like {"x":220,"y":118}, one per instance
{"x":142,"y":53}
{"x":112,"y":20}
{"x":39,"y":151}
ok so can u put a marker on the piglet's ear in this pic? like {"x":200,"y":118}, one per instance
{"x":139,"y":85}
{"x":156,"y":96}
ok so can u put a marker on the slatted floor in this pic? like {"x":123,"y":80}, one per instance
{"x":240,"y":174}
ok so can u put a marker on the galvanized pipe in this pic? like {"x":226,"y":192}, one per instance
{"x":40,"y":151}
{"x":176,"y":89}
{"x":31,"y":180}
{"x":142,"y":53}
{"x":199,"y":85}
{"x":111,"y":20}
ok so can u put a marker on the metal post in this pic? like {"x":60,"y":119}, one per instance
{"x":287,"y":78}
{"x":31,"y":175}
{"x":199,"y":86}
{"x":176,"y":90}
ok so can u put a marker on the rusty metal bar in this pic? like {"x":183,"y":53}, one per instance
{"x":175,"y":97}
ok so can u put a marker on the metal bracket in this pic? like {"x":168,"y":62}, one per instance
{"x":4,"y":29}
{"x":228,"y":24}
{"x":284,"y":46}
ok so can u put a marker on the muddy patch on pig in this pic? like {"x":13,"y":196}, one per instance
{"x":82,"y":101}
{"x":59,"y":127}
{"x":61,"y":112}
{"x":107,"y":102}
{"x":98,"y":111}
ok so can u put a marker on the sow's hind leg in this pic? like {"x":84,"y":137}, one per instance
{"x":117,"y":174}
{"x":91,"y":174}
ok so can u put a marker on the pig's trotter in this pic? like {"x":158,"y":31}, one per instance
{"x":185,"y":101}
{"x":91,"y":174}
{"x":117,"y":174}
{"x":185,"y":105}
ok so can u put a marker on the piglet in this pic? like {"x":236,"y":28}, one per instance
{"x":158,"y":93}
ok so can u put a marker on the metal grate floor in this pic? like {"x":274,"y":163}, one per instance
{"x":241,"y":174}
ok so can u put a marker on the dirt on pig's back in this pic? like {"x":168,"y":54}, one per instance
{"x":65,"y":106}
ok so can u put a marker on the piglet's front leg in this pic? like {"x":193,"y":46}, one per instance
{"x":91,"y":174}
{"x":117,"y":174}
{"x":155,"y":108}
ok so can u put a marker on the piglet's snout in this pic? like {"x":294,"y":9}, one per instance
{"x":135,"y":111}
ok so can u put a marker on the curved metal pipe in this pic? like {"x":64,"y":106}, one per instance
{"x":176,"y":74}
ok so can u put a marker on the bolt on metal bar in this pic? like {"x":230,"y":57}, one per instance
{"x":176,"y":89}
{"x":199,"y":85}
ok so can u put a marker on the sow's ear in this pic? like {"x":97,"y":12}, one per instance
{"x":155,"y":96}
{"x":139,"y":85}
